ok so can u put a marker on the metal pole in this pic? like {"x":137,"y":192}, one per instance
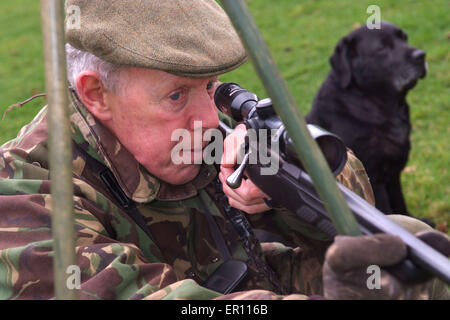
{"x":285,"y":106}
{"x":60,"y":145}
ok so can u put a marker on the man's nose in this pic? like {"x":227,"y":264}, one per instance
{"x":205,"y":111}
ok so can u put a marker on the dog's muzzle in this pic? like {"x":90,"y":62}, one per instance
{"x":418,"y":57}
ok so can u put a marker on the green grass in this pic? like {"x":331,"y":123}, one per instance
{"x":301,"y":36}
{"x":21,"y":63}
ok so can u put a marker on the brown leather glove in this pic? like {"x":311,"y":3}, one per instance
{"x":346,"y":274}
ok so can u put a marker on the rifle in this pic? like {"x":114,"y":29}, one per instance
{"x":291,"y":187}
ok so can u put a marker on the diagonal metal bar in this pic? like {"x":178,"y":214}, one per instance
{"x":286,"y":108}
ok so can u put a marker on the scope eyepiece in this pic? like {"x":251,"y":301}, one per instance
{"x":234,"y":101}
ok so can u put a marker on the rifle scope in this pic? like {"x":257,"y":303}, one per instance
{"x":244,"y":106}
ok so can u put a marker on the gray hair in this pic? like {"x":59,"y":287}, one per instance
{"x":79,"y":61}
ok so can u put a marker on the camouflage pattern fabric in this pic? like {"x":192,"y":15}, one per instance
{"x":118,"y":260}
{"x":354,"y":177}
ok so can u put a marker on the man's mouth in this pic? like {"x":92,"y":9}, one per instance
{"x":204,"y":144}
{"x":197,"y":153}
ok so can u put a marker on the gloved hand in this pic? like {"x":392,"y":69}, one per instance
{"x":345,"y":271}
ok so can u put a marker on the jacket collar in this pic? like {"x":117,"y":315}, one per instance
{"x":135,"y":181}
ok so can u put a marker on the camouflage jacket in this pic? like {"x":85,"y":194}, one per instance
{"x":117,"y":259}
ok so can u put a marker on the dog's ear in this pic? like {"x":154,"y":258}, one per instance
{"x":340,"y":61}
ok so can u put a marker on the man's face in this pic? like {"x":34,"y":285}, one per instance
{"x":149,"y":107}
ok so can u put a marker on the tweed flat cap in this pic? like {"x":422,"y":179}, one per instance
{"x":191,"y":38}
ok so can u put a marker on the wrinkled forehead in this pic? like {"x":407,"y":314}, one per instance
{"x":159,"y":81}
{"x":159,"y":76}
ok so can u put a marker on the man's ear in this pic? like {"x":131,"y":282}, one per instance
{"x":340,"y":62}
{"x":92,"y":93}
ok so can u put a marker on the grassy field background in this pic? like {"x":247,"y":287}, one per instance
{"x":301,"y":36}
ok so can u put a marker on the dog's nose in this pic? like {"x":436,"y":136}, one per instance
{"x":418,"y":55}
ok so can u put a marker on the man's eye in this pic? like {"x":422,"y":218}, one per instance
{"x":175,"y":96}
{"x":210,"y":85}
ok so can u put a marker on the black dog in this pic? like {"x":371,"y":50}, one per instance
{"x":363,"y":102}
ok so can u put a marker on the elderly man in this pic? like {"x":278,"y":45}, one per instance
{"x":148,"y":228}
